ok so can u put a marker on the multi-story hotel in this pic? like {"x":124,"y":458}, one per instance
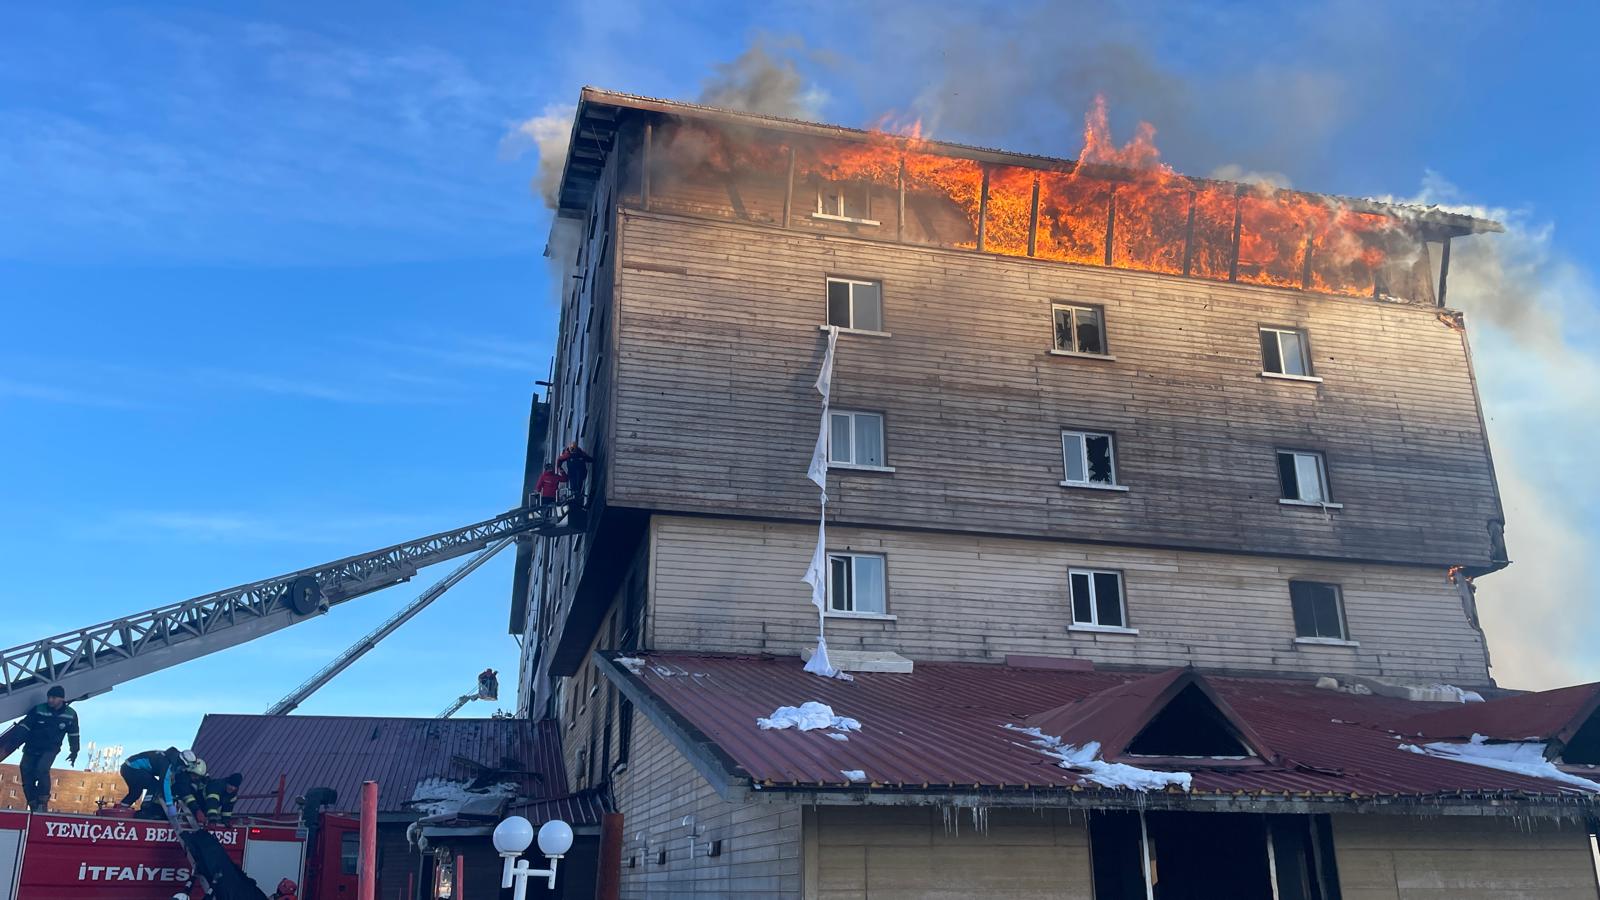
{"x":1152,"y":509}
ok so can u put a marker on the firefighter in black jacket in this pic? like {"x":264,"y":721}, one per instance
{"x":168,"y":775}
{"x":46,"y":724}
{"x":220,"y":794}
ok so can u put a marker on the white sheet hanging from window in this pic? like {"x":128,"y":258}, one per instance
{"x":817,"y":572}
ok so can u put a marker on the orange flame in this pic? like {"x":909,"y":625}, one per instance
{"x":1156,"y":219}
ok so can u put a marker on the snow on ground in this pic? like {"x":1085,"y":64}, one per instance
{"x":438,"y":796}
{"x":853,"y":774}
{"x":633,"y":664}
{"x":838,"y":737}
{"x":1522,"y":758}
{"x":808,"y":716}
{"x":1112,"y":775}
{"x":1460,"y":695}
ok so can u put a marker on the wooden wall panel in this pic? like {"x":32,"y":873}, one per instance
{"x":719,"y":347}
{"x":1458,"y":858}
{"x":734,"y":586}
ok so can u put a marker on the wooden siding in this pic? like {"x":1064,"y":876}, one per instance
{"x":760,"y":841}
{"x":728,"y":585}
{"x":715,"y":411}
{"x":1386,"y":858}
{"x":916,"y":852}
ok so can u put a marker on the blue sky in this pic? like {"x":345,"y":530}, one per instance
{"x":272,"y":286}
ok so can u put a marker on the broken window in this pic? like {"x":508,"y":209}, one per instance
{"x":1080,"y":329}
{"x":1200,"y":856}
{"x":855,"y":439}
{"x":1097,"y":598}
{"x":847,"y":200}
{"x":856,"y":305}
{"x":1303,"y":476}
{"x":856,"y":583}
{"x":1318,"y":610}
{"x":1088,"y":458}
{"x":1284,"y":352}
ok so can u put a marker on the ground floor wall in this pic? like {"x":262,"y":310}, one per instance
{"x":1393,"y":858}
{"x":734,"y":586}
{"x":886,"y":853}
{"x":674,"y":822}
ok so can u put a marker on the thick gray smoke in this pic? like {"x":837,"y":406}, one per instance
{"x":758,"y":81}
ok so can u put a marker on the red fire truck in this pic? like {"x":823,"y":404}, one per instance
{"x":50,"y":856}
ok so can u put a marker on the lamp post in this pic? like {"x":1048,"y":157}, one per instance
{"x":513,"y":835}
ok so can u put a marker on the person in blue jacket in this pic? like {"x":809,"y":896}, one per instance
{"x":46,"y":726}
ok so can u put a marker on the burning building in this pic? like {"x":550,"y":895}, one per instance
{"x":1150,"y":510}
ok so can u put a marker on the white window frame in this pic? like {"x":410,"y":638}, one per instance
{"x":1301,"y":337}
{"x":1094,"y":603}
{"x":851,"y":328}
{"x":1344,"y":639}
{"x":1055,"y":333}
{"x":1321,"y":461}
{"x":1082,"y":436}
{"x":837,"y":214}
{"x":852,"y":613}
{"x":883,"y":441}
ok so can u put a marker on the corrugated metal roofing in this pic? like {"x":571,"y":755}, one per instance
{"x":944,"y":726}
{"x":1543,"y":716}
{"x":341,"y":752}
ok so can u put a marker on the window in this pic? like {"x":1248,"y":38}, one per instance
{"x":1089,"y":459}
{"x":1303,"y":475}
{"x":1284,"y":352}
{"x":1318,"y":610}
{"x":1097,"y":598}
{"x":350,"y":853}
{"x":855,"y":439}
{"x":1080,"y":329}
{"x":856,"y":583}
{"x":857,"y":305}
{"x":848,"y":200}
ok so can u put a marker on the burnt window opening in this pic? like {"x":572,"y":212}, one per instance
{"x":1080,"y":329}
{"x":1284,"y":351}
{"x":1303,"y":476}
{"x":1318,"y":610}
{"x":1584,"y":748}
{"x":1189,"y":725}
{"x":1276,"y":857}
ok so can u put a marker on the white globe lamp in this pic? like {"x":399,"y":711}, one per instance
{"x":514,"y":835}
{"x":555,"y":838}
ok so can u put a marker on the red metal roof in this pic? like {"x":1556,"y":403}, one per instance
{"x":341,"y":752}
{"x":944,"y":727}
{"x":1544,"y":716}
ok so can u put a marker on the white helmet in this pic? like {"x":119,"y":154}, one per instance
{"x":198,"y":767}
{"x":188,"y":757}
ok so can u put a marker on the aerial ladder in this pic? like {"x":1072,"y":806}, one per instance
{"x":95,"y":659}
{"x":488,"y":689}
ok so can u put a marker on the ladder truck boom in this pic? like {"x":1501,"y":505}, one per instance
{"x":95,"y":659}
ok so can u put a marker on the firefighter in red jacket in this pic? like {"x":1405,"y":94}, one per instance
{"x":548,"y":487}
{"x":575,"y":465}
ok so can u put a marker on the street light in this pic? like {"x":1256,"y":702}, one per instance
{"x":513,"y":835}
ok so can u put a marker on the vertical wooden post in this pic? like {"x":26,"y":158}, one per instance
{"x":608,"y":886}
{"x":1188,"y":235}
{"x":1238,"y":224}
{"x":1111,"y":223}
{"x":648,"y":162}
{"x":788,"y":190}
{"x":1033,"y":218}
{"x":1444,"y":271}
{"x":367,"y":885}
{"x":1305,"y":266}
{"x":983,"y":208}
{"x":900,"y":188}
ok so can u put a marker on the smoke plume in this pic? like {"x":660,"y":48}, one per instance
{"x":758,"y":81}
{"x":547,"y":134}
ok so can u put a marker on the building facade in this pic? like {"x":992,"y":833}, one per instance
{"x":1082,"y":421}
